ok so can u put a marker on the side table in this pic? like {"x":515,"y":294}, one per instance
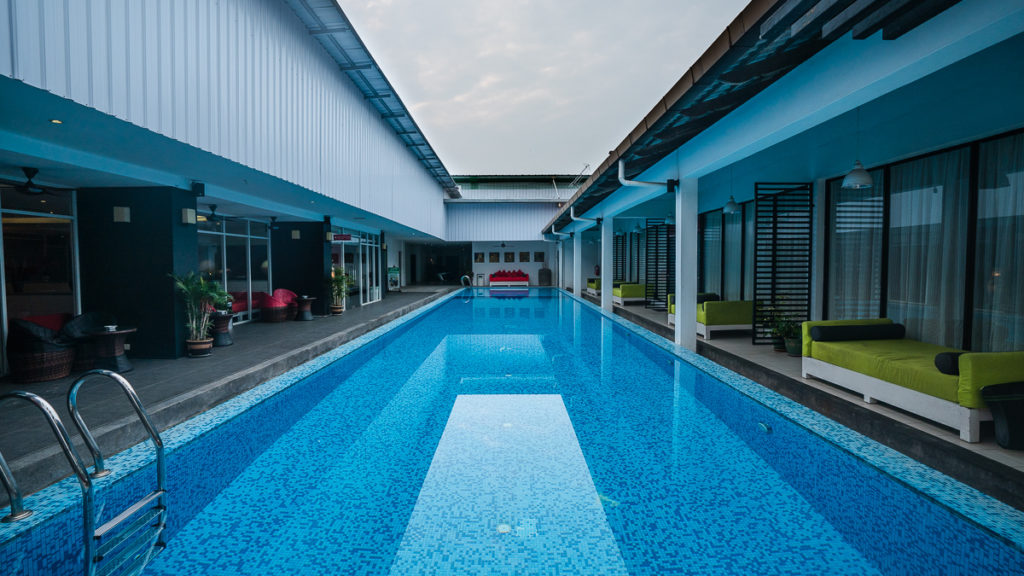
{"x":108,"y":346}
{"x":305,"y":313}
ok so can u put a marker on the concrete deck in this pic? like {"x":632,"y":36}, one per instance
{"x":175,"y":390}
{"x":985,"y":466}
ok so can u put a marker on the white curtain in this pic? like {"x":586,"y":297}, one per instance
{"x":733,"y":241}
{"x":855,"y":250}
{"x":928,"y":240}
{"x":711,"y":244}
{"x":998,"y":321}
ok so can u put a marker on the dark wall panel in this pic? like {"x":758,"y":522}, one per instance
{"x":302,"y":265}
{"x":125,"y":265}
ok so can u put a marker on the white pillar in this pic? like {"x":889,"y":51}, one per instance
{"x":561,"y":264}
{"x":577,"y":264}
{"x":686,"y":264}
{"x":607,"y":232}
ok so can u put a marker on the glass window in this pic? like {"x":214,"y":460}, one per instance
{"x":855,"y":226}
{"x":40,"y":200}
{"x":38,"y":265}
{"x":998,"y":319}
{"x":928,"y":239}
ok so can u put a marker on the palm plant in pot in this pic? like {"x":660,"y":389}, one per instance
{"x":338,"y":283}
{"x":199,"y":295}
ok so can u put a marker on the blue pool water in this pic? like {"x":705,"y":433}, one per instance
{"x":534,"y":435}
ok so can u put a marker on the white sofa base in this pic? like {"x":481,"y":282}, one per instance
{"x":966,"y":420}
{"x":671,"y":319}
{"x":705,"y":331}
{"x":623,"y":301}
{"x":508,"y":283}
{"x":591,"y":291}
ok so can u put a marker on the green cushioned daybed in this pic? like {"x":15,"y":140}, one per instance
{"x":720,"y":316}
{"x":902,"y":373}
{"x":594,"y":286}
{"x":625,"y":293}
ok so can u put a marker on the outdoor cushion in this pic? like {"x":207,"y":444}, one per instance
{"x":83,"y":325}
{"x":907,"y":363}
{"x":948,"y":363}
{"x":671,"y":304}
{"x":858,"y":332}
{"x":29,"y":337}
{"x":594,"y":283}
{"x":980,"y":369}
{"x":52,"y":321}
{"x":725,"y":312}
{"x":707,"y":297}
{"x":285,"y":295}
{"x":629,"y":291}
{"x":807,"y":326}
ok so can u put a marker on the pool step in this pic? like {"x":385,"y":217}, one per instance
{"x":508,"y":492}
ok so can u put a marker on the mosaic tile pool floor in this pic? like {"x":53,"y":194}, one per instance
{"x":657,"y":467}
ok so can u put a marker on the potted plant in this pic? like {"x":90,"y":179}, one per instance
{"x":788,"y":329}
{"x":221,"y":317}
{"x":338,"y":284}
{"x":199,"y":295}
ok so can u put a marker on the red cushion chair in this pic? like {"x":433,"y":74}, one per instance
{"x":290,"y":298}
{"x":272,"y":309}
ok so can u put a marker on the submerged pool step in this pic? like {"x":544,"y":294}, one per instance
{"x":508,"y":492}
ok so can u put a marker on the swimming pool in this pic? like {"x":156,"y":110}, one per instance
{"x":519,"y":435}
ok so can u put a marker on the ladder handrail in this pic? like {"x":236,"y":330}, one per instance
{"x":90,"y":441}
{"x":53,"y":419}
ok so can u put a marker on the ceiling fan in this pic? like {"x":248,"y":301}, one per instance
{"x":214,"y":217}
{"x":31,"y":188}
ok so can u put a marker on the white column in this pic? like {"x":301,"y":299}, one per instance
{"x":607,"y":232}
{"x":577,"y":264}
{"x":561,"y":264}
{"x":686,"y":264}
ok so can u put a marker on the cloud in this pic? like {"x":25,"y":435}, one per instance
{"x":533,"y":86}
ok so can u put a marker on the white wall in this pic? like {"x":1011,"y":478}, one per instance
{"x":532,"y":268}
{"x":497,"y":222}
{"x":242,"y":79}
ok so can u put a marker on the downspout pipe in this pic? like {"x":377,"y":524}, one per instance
{"x":624,"y":182}
{"x":588,"y":222}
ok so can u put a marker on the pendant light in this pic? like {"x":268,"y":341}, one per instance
{"x":731,"y":207}
{"x":858,"y":178}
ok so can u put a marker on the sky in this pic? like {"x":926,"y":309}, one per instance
{"x":534,"y":86}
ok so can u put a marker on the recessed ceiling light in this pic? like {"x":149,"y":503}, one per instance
{"x":56,"y":121}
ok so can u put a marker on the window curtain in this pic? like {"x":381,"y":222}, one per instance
{"x":928,"y":240}
{"x":733,"y":246}
{"x":998,"y":319}
{"x":855,"y":224}
{"x":748,"y":251}
{"x":711,"y":245}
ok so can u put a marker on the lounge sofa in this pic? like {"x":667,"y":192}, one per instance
{"x":594,"y":286}
{"x":905,"y":373}
{"x":723,"y":315}
{"x":701,"y":298}
{"x":625,"y":293}
{"x":509,"y":278}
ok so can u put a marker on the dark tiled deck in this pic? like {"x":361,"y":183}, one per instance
{"x":175,"y":390}
{"x":984,"y":465}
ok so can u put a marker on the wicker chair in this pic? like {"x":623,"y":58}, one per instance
{"x":38,"y":353}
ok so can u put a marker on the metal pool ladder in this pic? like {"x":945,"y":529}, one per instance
{"x":126,"y":543}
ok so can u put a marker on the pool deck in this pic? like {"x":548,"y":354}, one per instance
{"x":175,"y":390}
{"x":985,"y":466}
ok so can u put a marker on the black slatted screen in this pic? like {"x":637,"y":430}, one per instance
{"x":782,"y":255}
{"x":661,"y":263}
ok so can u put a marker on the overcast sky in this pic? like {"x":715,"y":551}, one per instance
{"x":534,"y":86}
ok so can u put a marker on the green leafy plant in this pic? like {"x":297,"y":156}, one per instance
{"x":201,"y":297}
{"x":339,"y":283}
